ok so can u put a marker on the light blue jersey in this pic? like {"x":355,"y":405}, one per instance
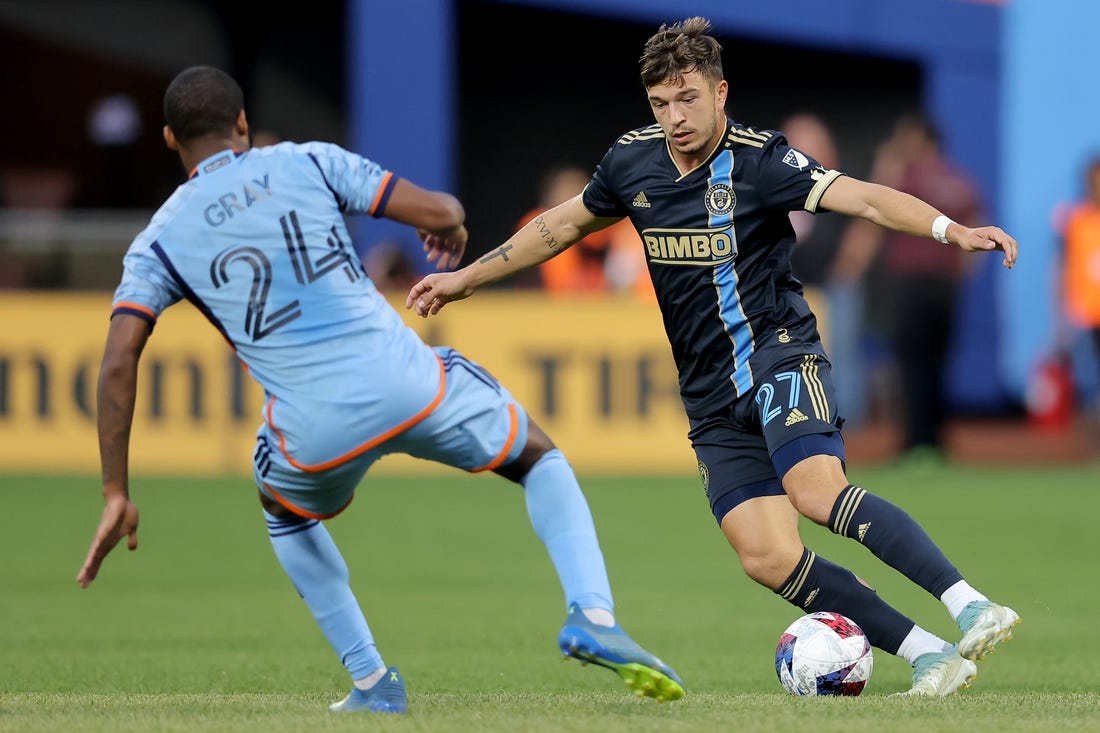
{"x":257,"y":242}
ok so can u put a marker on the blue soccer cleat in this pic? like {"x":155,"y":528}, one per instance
{"x":609,"y":646}
{"x":984,"y":625}
{"x":387,"y":696}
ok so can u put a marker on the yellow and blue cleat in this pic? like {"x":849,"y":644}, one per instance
{"x":609,"y":646}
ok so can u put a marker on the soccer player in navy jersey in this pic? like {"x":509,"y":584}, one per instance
{"x":710,"y":198}
{"x":256,"y":240}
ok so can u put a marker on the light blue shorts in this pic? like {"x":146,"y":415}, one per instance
{"x":477,"y":426}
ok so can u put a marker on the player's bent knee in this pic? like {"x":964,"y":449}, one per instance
{"x":769,"y":569}
{"x":769,"y":558}
{"x":274,"y":508}
{"x":813,"y":485}
{"x":815,"y":501}
{"x":538,"y":445}
{"x":537,"y":439}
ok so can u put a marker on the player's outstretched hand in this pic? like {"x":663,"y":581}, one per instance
{"x":119,"y":519}
{"x":445,"y":251}
{"x":433,"y":292}
{"x":987,"y":238}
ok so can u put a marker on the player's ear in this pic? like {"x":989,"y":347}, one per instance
{"x":721,"y":90}
{"x":170,"y":139}
{"x":241,"y":127}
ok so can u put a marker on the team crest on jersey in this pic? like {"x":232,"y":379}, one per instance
{"x":704,"y":475}
{"x":720,"y":199}
{"x":795,"y":159}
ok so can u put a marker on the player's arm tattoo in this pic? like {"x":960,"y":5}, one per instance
{"x":547,"y":235}
{"x":501,"y":251}
{"x":544,"y":233}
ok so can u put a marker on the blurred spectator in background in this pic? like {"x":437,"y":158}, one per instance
{"x":390,"y":268}
{"x":919,"y":283}
{"x":1081,"y":266}
{"x":580,"y":269}
{"x":609,"y":260}
{"x":818,"y":242}
{"x":626,"y":268}
{"x":48,"y":190}
{"x":37,"y":187}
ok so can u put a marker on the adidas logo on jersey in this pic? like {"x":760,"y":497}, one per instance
{"x":795,"y":416}
{"x":810,"y":598}
{"x":863,"y":530}
{"x":640,"y":201}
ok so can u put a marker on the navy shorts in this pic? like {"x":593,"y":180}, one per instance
{"x":745,"y":450}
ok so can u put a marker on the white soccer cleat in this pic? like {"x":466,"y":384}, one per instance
{"x":984,"y":624}
{"x":938,"y":674}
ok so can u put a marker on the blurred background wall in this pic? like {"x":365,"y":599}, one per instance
{"x":483,"y":96}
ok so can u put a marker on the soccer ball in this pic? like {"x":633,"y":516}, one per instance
{"x":823,"y":653}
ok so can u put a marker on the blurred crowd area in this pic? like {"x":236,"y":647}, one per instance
{"x":81,"y":175}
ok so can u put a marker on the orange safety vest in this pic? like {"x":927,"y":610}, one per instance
{"x":1081,"y":273}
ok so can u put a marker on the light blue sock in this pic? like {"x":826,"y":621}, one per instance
{"x":315,"y":566}
{"x":561,"y":519}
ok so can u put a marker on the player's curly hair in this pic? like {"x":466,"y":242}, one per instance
{"x":675,"y":50}
{"x":202,"y":100}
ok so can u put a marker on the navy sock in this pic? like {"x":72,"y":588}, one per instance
{"x":819,"y":585}
{"x":894,"y":537}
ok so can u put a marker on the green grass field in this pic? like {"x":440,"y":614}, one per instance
{"x":199,"y":630}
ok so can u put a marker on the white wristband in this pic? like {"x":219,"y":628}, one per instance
{"x":939,"y":228}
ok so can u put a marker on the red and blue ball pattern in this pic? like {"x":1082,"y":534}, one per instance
{"x":823,"y":653}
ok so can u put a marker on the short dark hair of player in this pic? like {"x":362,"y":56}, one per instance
{"x":200,"y":101}
{"x":675,"y":50}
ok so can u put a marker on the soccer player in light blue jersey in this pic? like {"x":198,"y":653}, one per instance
{"x":256,"y":240}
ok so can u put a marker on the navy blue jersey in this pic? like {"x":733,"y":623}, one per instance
{"x":718,"y":243}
